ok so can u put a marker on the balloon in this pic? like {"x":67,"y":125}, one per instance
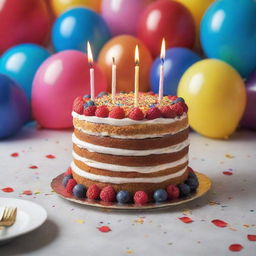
{"x":21,"y":63}
{"x":167,"y":19}
{"x":249,"y":118}
{"x":26,"y":21}
{"x":118,"y":15}
{"x":177,"y":61}
{"x":14,"y":108}
{"x":58,"y":81}
{"x":228,"y":32}
{"x":75,"y":27}
{"x":59,"y":6}
{"x":216,"y":97}
{"x":122,"y":48}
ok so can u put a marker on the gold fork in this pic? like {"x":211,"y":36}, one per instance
{"x":8,"y":217}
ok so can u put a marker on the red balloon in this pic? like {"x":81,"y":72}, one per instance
{"x":168,"y":19}
{"x":23,"y":21}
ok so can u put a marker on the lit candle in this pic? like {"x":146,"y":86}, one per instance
{"x":90,"y":60}
{"x":161,"y":73}
{"x":136,"y":80}
{"x":113,"y":80}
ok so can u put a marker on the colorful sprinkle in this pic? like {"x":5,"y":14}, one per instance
{"x":220,"y":223}
{"x":104,"y":229}
{"x":235,"y":247}
{"x":186,"y":219}
{"x":251,"y":238}
{"x":7,"y":189}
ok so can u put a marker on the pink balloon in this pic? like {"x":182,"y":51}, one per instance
{"x":58,"y":81}
{"x":122,"y":15}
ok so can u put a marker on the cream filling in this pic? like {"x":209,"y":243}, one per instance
{"x":128,"y":152}
{"x":120,"y":180}
{"x":126,"y":121}
{"x":122,"y":168}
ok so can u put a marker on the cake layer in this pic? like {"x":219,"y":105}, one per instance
{"x":135,"y":144}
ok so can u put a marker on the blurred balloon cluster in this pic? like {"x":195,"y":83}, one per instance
{"x":210,"y":57}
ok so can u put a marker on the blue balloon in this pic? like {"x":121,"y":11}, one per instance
{"x":75,"y":27}
{"x":177,"y":61}
{"x":14,"y":107}
{"x":21,"y":63}
{"x":228,"y":32}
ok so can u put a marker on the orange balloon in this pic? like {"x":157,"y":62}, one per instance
{"x":122,"y":48}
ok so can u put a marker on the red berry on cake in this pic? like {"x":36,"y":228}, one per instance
{"x":140,"y":197}
{"x":102,"y":111}
{"x":90,"y":111}
{"x":70,"y":185}
{"x":93,"y":192}
{"x":78,"y":105}
{"x":153,"y":113}
{"x":108,"y":194}
{"x":177,"y":108}
{"x":136,"y":114}
{"x":173,"y":192}
{"x":167,"y":112}
{"x":117,"y":113}
{"x":184,"y":106}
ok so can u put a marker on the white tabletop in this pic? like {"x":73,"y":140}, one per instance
{"x":72,"y":229}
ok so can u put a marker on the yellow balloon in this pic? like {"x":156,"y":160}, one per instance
{"x":216,"y":97}
{"x":59,"y":6}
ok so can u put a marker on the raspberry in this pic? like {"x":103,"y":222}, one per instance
{"x":117,"y":113}
{"x":136,"y":114}
{"x":78,"y":105}
{"x":153,"y":113}
{"x":108,"y":194}
{"x":140,"y":197}
{"x":173,"y":192}
{"x":102,"y":111}
{"x":184,"y":106}
{"x":93,"y":192}
{"x":90,"y":111}
{"x":68,"y":172}
{"x":167,"y":112}
{"x":70,"y":185}
{"x":177,"y":108}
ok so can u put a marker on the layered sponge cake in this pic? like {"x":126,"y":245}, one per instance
{"x":126,"y":148}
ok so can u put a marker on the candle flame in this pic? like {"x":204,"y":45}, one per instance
{"x":137,"y":55}
{"x":162,"y":55}
{"x":89,"y":53}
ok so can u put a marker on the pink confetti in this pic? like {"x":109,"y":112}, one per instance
{"x":235,"y":247}
{"x":7,"y":189}
{"x":50,"y":156}
{"x":228,"y":173}
{"x":27,"y":192}
{"x":104,"y":229}
{"x":220,"y":223}
{"x":251,"y":238}
{"x":186,"y":219}
{"x":33,"y":167}
{"x":15,"y":154}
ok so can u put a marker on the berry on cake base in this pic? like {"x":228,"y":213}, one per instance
{"x":130,"y":154}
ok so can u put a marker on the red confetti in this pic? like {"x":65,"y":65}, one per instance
{"x":50,"y":156}
{"x":33,"y":167}
{"x":186,"y":219}
{"x":8,"y":190}
{"x":220,"y":223}
{"x":251,"y":238}
{"x":27,"y":192}
{"x":104,"y":229}
{"x":14,"y":154}
{"x":235,"y":247}
{"x":228,"y":173}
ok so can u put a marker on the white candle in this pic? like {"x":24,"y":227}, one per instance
{"x":113,"y":91}
{"x":136,"y":78}
{"x":90,"y":60}
{"x":161,"y":73}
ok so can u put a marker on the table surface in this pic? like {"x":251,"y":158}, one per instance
{"x":72,"y":228}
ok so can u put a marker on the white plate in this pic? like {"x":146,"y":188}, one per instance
{"x":29,"y":217}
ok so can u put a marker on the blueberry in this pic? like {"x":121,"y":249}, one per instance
{"x":79,"y":191}
{"x":192,"y":175}
{"x":102,"y":94}
{"x":89,"y":103}
{"x":184,"y":189}
{"x":87,"y":96}
{"x":65,"y":179}
{"x":193,"y":183}
{"x":152,"y":105}
{"x":178,"y":100}
{"x":123,"y":196}
{"x":160,"y":195}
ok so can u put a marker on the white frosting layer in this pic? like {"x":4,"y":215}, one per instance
{"x":126,"y":121}
{"x":122,"y":168}
{"x":127,"y":152}
{"x":120,"y":180}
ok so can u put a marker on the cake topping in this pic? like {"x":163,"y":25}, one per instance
{"x":136,"y":114}
{"x":93,"y":192}
{"x":153,"y":113}
{"x":70,"y":185}
{"x":90,"y":111}
{"x":78,"y":105}
{"x":177,"y":108}
{"x":117,"y":113}
{"x":102,"y":111}
{"x":79,"y":191}
{"x":167,"y":112}
{"x":160,"y":195}
{"x":140,"y":197}
{"x":123,"y":197}
{"x":108,"y":194}
{"x":173,"y":192}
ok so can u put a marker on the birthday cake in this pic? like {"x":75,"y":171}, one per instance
{"x":130,"y":154}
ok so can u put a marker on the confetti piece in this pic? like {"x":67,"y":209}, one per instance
{"x":186,"y":211}
{"x":235,"y":247}
{"x":104,"y":229}
{"x":27,"y":192}
{"x":15,"y":154}
{"x":129,"y":251}
{"x":7,"y":189}
{"x":50,"y":156}
{"x":251,"y":238}
{"x":139,"y":221}
{"x":246,"y":225}
{"x":220,"y":223}
{"x":38,"y":192}
{"x":79,"y":221}
{"x":186,"y":219}
{"x":229,"y":156}
{"x":228,"y":173}
{"x":33,"y":167}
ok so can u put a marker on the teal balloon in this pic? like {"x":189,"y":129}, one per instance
{"x":21,"y":63}
{"x":228,"y":32}
{"x":75,"y":27}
